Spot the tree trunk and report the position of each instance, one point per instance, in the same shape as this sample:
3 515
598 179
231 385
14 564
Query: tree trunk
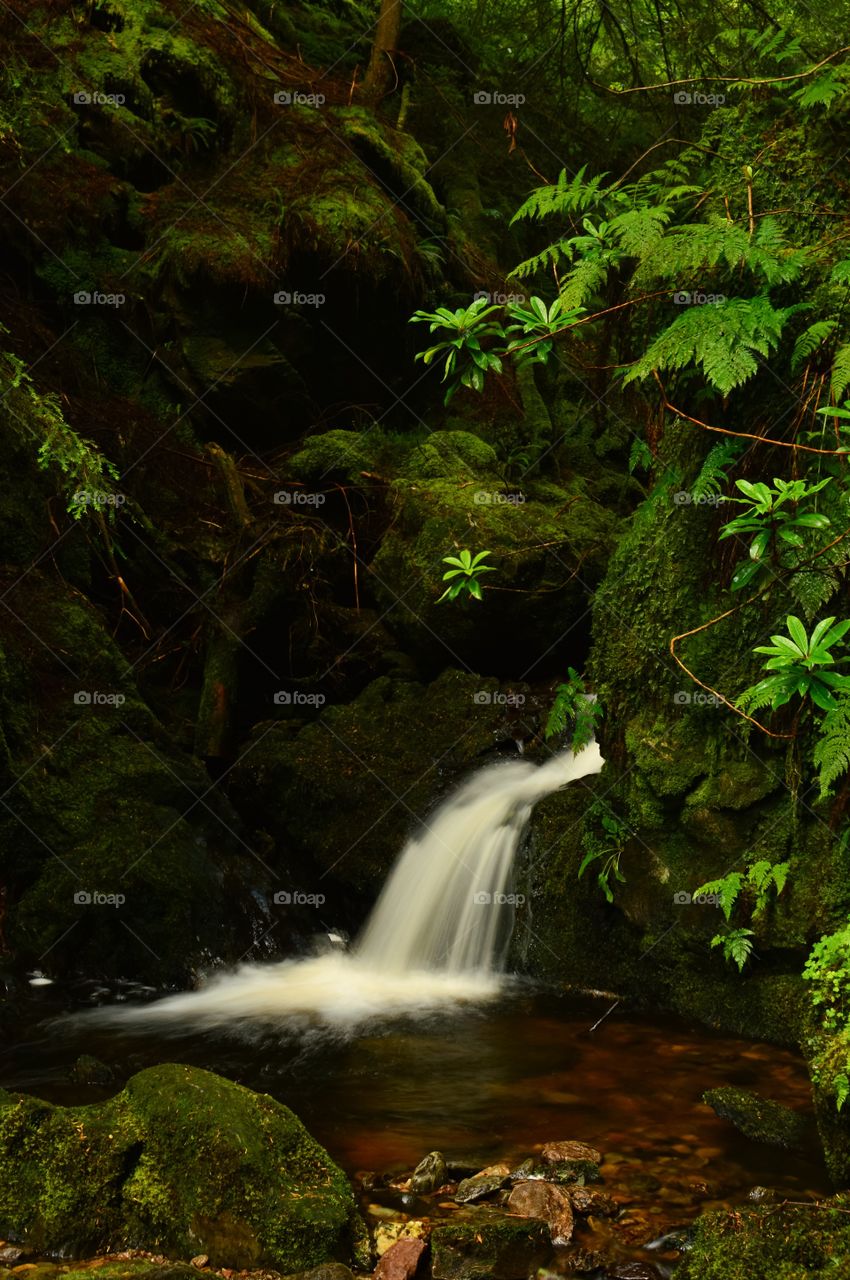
380 74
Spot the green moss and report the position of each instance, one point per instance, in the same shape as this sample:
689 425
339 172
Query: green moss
488 1250
181 1161
775 1243
760 1118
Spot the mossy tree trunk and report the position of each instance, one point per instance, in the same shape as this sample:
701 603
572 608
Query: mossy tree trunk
381 70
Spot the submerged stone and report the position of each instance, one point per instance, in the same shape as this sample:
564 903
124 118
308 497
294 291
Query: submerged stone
547 1201
429 1174
506 1249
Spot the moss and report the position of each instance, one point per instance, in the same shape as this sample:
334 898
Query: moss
488 1250
760 1118
181 1161
776 1243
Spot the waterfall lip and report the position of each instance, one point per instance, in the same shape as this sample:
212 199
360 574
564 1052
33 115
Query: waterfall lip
435 940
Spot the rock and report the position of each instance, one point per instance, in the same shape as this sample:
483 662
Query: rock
11 1254
180 1160
505 1249
327 1271
584 1200
569 1171
88 1070
785 1242
555 1152
429 1174
760 1118
632 1271
388 1234
401 1261
761 1195
547 1201
200 1260
482 1184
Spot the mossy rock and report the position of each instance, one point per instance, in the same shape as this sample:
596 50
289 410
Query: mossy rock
501 1249
183 1162
345 791
760 1118
776 1243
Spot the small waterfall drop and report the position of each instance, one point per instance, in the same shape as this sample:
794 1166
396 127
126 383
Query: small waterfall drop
437 935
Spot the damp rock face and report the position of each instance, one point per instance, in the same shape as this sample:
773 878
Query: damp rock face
182 1162
760 1118
509 1249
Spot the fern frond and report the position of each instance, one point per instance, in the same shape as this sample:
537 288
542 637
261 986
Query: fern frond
832 749
840 377
713 470
812 589
562 197
809 341
585 279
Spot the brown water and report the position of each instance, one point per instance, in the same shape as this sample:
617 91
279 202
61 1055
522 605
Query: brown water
489 1084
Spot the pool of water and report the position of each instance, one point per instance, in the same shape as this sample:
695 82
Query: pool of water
482 1084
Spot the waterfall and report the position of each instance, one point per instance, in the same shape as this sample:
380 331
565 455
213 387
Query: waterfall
438 933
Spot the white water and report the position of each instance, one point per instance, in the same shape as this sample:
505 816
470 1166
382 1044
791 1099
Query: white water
437 934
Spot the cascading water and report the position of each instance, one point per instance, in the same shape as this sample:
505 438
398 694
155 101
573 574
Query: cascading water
437 934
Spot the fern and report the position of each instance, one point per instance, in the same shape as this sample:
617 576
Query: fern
728 890
640 456
736 944
840 377
820 92
639 230
713 471
809 341
723 340
832 749
840 273
812 589
584 280
574 196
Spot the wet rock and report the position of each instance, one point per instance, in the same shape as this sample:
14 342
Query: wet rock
527 1170
632 1271
327 1271
555 1152
180 1161
679 1241
584 1200
200 1261
506 1249
789 1242
429 1174
482 1184
401 1261
761 1195
88 1070
11 1254
760 1118
388 1234
578 1171
547 1201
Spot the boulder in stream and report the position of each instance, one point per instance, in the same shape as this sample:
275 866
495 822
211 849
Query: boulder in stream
547 1201
482 1184
181 1162
504 1249
760 1118
430 1173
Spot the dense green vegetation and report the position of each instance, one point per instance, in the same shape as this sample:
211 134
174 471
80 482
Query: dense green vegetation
303 305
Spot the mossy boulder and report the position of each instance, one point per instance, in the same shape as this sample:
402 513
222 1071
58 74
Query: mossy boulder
779 1242
344 792
760 1118
182 1162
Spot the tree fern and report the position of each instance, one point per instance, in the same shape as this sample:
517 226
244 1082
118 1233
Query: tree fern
562 197
809 341
840 378
723 340
820 92
812 589
713 471
585 279
832 749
